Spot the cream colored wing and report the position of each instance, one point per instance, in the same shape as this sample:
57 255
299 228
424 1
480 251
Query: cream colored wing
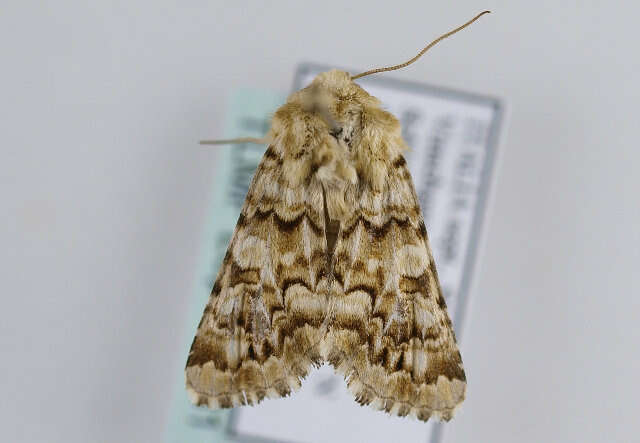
260 331
389 331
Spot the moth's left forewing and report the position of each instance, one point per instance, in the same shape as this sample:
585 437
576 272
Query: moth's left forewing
391 335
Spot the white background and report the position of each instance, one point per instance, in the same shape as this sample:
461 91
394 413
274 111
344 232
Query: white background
104 193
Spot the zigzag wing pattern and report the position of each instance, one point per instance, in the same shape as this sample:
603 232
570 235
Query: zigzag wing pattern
260 331
390 334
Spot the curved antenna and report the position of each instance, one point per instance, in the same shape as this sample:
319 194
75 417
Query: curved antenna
426 48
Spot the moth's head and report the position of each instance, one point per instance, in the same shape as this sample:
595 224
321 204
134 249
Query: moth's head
339 86
334 127
342 104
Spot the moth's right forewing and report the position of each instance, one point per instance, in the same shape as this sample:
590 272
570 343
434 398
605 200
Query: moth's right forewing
391 335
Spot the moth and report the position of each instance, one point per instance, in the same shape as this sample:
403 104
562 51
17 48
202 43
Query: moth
330 263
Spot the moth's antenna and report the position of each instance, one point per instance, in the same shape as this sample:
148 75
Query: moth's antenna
426 48
259 141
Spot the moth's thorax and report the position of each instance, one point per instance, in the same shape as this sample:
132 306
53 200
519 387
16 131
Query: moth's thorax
333 130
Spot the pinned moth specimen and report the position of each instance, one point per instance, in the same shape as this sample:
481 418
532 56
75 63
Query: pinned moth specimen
330 262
